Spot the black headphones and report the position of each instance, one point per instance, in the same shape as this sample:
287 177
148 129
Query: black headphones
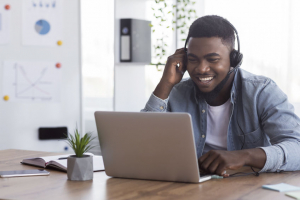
236 58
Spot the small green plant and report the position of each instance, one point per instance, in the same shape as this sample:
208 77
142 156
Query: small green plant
78 144
169 15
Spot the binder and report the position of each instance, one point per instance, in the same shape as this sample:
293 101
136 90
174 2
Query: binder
135 41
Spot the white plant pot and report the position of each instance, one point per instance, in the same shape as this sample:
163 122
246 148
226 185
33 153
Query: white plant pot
80 168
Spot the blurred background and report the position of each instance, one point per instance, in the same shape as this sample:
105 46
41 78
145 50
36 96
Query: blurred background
269 36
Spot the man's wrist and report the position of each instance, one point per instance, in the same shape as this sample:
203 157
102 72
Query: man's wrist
254 157
163 89
247 157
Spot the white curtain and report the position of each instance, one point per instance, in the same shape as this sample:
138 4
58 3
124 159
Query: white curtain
269 36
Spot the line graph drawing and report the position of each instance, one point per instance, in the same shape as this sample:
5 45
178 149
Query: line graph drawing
32 88
31 81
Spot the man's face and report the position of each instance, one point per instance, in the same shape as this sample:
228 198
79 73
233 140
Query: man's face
208 62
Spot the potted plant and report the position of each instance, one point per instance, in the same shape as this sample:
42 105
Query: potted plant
80 166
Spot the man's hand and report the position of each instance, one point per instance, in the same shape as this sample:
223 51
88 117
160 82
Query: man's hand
218 161
172 75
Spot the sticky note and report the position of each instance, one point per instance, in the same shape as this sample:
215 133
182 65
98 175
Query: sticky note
281 187
295 195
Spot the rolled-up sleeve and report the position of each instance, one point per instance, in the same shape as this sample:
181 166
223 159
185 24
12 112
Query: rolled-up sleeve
156 104
280 123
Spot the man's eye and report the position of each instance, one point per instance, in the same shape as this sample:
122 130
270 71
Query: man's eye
213 60
191 60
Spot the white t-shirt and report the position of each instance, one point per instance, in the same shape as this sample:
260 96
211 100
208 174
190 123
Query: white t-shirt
217 126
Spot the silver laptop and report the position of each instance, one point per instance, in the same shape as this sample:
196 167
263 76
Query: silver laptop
153 146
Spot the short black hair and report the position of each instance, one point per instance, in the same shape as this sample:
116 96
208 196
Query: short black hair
213 26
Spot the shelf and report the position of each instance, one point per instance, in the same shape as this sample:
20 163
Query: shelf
130 64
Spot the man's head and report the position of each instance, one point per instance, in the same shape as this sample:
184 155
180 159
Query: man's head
210 41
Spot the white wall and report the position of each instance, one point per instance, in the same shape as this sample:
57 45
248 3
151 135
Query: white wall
129 77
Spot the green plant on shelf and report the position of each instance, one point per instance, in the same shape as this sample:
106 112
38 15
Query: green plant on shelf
182 14
80 145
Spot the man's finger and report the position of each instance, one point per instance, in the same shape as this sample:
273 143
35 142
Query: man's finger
214 165
221 169
203 157
205 164
181 67
180 49
179 55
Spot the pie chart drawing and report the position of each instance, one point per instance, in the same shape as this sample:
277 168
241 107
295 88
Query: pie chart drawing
42 27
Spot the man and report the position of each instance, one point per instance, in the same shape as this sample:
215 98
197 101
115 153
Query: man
238 118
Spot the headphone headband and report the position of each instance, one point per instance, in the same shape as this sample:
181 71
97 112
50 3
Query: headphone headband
234 30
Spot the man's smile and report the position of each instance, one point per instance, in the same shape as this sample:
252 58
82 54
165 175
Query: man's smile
205 81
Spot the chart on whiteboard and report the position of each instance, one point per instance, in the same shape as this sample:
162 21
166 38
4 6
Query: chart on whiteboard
42 22
31 81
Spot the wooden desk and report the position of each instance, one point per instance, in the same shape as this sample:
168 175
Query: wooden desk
57 186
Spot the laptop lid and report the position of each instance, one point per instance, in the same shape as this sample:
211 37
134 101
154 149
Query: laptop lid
155 146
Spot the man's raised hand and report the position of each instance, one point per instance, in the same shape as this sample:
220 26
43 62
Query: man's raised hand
172 75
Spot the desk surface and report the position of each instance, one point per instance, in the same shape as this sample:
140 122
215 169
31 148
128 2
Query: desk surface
57 186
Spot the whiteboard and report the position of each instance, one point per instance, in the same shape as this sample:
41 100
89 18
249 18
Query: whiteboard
20 120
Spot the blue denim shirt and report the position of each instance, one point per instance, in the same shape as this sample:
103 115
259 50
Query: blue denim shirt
261 117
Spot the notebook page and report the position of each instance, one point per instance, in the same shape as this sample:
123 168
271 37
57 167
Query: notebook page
49 158
62 164
41 161
97 163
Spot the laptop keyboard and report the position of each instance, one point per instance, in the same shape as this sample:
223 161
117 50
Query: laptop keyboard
201 175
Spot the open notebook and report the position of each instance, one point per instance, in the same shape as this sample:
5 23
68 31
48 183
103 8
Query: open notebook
54 162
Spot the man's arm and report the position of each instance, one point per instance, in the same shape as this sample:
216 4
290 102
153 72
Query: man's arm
280 123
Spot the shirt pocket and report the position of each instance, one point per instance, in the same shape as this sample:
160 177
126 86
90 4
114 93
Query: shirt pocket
252 139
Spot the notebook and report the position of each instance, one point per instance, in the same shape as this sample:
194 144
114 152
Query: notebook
60 162
281 187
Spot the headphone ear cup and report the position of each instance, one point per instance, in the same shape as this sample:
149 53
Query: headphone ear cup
235 58
239 60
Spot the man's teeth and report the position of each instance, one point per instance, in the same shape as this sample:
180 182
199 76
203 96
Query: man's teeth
206 79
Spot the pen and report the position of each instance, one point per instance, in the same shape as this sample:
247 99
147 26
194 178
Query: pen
63 158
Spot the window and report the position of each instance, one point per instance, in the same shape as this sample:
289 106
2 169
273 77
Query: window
97 28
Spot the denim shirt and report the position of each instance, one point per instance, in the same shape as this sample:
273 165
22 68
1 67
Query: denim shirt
261 117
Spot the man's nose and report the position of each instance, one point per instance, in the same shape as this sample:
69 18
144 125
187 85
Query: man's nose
203 67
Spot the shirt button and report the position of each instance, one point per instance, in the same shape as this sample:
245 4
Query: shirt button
203 136
161 107
203 111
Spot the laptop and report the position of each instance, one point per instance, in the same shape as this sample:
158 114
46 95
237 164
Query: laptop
152 146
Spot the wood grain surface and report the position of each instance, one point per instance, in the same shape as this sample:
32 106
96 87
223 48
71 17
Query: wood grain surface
56 185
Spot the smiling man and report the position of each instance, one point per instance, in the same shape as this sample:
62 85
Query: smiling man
238 118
